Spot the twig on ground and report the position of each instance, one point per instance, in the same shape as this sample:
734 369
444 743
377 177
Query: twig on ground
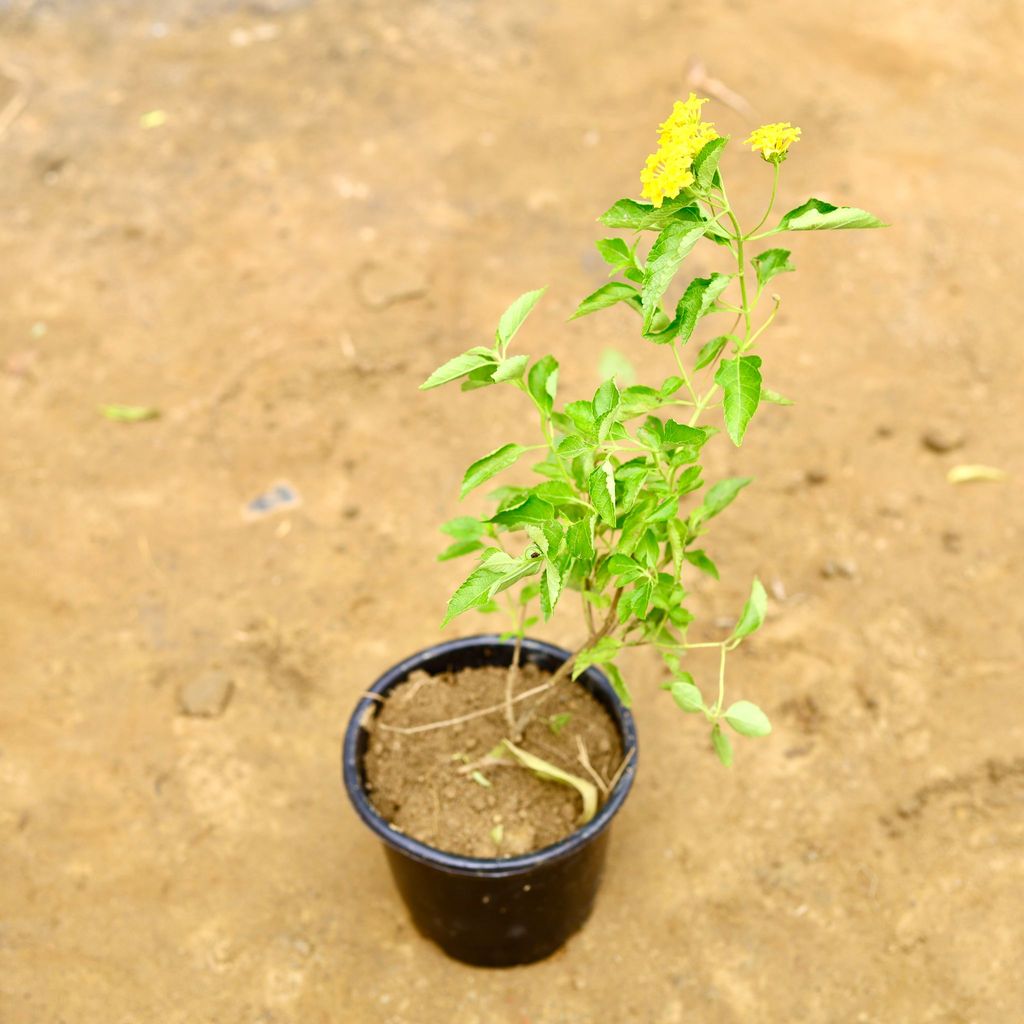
584 759
621 769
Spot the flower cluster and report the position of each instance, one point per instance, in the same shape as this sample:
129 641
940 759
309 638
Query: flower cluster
680 139
772 140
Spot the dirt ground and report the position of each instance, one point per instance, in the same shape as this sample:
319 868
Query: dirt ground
339 197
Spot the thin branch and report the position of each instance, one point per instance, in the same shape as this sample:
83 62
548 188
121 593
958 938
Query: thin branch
584 759
513 670
621 769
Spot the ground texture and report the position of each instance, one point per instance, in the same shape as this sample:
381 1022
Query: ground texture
270 221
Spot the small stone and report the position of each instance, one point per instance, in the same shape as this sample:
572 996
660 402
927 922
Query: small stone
942 438
839 567
449 792
816 476
383 286
207 695
952 541
777 589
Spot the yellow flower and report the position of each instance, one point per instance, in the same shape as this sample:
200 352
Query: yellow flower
772 140
680 139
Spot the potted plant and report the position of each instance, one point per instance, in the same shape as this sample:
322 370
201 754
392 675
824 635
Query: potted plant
491 767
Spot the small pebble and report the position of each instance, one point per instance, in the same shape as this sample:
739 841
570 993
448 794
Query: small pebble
943 438
816 476
777 589
839 567
449 792
952 541
207 695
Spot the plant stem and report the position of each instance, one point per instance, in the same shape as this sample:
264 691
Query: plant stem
513 669
607 627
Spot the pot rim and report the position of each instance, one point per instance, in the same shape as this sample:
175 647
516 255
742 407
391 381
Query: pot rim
494 867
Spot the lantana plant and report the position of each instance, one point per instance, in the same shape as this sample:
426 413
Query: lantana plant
621 513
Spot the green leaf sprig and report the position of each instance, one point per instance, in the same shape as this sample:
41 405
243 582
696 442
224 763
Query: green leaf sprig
621 512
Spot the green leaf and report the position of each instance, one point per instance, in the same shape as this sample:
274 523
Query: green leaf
701 561
753 611
607 295
491 464
614 364
533 510
677 542
637 216
723 748
697 300
774 397
606 405
550 589
601 487
474 591
580 540
711 350
641 598
482 377
619 684
705 163
600 654
573 445
740 379
542 382
687 695
637 400
616 253
474 359
748 719
817 215
510 369
719 497
550 773
770 263
458 549
673 245
556 723
464 528
624 568
130 413
513 317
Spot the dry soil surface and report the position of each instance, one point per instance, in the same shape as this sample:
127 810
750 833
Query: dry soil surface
270 220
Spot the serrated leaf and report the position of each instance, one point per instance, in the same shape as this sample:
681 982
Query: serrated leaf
748 719
574 445
474 591
550 773
697 300
771 263
608 295
637 400
641 598
673 245
676 533
719 497
482 377
817 215
711 350
550 590
638 216
491 464
722 745
740 380
601 486
705 163
460 366
753 613
513 317
580 540
556 723
532 510
687 695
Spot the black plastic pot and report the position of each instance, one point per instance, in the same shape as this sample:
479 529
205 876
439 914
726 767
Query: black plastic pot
493 912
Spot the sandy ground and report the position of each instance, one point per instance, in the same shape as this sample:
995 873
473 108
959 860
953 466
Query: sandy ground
227 267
